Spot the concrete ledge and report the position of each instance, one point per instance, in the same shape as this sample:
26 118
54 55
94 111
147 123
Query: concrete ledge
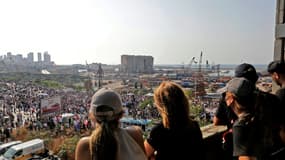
212 136
211 130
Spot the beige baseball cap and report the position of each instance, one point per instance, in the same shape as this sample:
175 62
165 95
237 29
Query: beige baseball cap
106 97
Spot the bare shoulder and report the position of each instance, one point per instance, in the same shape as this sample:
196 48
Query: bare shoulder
84 141
134 131
82 149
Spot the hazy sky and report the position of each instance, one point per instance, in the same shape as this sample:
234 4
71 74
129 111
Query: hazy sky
172 31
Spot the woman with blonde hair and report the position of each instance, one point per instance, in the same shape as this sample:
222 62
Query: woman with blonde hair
177 136
108 141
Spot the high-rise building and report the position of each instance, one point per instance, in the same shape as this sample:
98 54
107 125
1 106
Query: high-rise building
39 57
9 54
136 64
46 57
30 57
18 59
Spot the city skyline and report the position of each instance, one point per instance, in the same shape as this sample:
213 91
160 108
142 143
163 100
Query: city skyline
73 32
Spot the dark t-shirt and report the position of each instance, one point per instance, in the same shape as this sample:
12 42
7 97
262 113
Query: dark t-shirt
268 107
268 111
247 137
281 95
178 143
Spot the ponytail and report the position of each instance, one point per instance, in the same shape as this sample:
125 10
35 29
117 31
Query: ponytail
103 144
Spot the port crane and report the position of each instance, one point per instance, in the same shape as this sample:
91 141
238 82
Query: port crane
191 62
198 78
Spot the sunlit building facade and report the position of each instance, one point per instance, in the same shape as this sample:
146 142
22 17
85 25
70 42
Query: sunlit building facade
136 64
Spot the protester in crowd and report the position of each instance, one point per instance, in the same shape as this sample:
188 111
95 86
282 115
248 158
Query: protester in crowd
177 136
248 134
108 140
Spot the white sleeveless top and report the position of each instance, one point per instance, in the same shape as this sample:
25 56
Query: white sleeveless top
128 148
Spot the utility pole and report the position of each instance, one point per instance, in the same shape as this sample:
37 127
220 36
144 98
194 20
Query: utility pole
100 74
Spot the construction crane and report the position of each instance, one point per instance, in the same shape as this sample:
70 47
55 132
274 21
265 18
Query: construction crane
207 65
199 87
200 62
191 62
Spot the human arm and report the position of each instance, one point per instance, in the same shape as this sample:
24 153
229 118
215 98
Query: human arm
220 116
149 150
246 158
217 121
154 141
82 151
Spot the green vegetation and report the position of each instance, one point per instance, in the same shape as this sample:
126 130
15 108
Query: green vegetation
68 147
146 102
195 112
79 88
188 93
50 84
63 144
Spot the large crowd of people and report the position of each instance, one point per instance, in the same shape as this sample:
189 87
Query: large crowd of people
20 105
252 116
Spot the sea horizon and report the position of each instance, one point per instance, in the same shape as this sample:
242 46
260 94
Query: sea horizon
222 66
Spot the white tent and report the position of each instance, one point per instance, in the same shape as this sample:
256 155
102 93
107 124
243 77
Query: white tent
149 94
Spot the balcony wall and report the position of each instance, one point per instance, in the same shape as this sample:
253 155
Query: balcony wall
213 139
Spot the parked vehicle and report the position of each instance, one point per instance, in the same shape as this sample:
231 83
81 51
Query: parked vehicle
50 157
24 150
4 147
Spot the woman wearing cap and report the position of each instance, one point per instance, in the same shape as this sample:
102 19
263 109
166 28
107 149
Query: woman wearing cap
108 141
177 136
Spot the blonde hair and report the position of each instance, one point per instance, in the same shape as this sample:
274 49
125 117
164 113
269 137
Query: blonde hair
172 104
103 144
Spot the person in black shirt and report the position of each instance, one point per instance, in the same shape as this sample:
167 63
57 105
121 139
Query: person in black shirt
224 115
177 136
247 132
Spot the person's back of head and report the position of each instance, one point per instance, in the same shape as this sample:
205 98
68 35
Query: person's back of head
277 71
247 71
242 91
276 66
105 109
172 103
